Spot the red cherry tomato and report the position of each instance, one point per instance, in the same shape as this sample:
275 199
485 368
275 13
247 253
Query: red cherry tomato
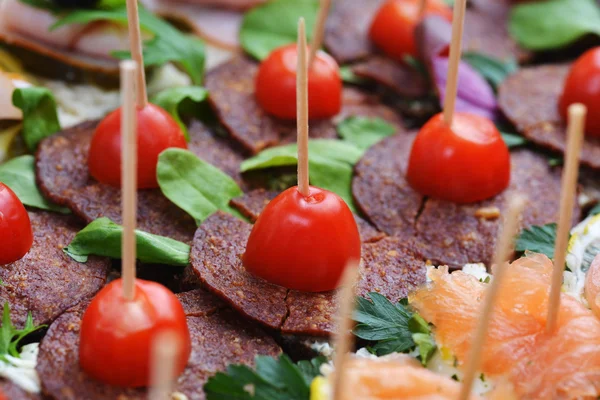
393 28
583 86
466 163
303 243
276 85
16 235
117 335
157 131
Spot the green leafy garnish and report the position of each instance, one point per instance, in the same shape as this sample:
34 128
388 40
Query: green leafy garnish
331 164
10 337
594 211
513 140
271 379
555 161
393 327
365 132
19 175
102 237
40 118
552 24
181 102
348 76
539 239
493 70
194 185
275 24
43 5
167 45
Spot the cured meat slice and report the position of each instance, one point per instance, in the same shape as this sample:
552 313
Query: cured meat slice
401 79
46 281
253 202
63 177
14 392
529 99
389 267
449 233
219 338
381 190
231 87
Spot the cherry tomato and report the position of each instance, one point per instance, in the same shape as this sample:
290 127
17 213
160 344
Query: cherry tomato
15 227
117 334
583 86
392 29
157 131
303 243
466 163
276 85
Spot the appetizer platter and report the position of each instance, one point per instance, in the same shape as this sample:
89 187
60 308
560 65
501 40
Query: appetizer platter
299 199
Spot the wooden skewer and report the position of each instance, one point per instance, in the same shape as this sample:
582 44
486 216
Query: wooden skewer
302 111
503 251
344 340
422 8
129 175
575 132
135 45
458 23
163 358
319 32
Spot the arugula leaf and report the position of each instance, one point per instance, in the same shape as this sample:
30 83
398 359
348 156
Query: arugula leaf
102 237
19 175
168 44
365 132
194 185
40 118
331 164
552 24
493 70
272 379
10 337
513 140
181 101
275 24
539 239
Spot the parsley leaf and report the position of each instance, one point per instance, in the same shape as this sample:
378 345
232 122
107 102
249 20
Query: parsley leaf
271 379
40 118
539 239
168 43
365 132
10 337
181 102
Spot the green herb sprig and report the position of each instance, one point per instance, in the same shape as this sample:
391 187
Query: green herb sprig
539 239
11 337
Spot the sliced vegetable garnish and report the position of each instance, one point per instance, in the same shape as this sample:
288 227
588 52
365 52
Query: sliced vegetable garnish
19 175
10 337
365 132
181 102
194 185
394 327
493 70
40 118
274 24
538 239
272 379
102 237
168 44
552 24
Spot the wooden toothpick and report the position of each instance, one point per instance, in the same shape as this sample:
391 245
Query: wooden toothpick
165 347
504 249
319 32
135 46
302 111
422 8
458 22
343 340
128 175
575 131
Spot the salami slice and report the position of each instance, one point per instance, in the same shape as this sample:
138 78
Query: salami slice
231 87
219 338
389 266
46 281
63 177
399 78
253 202
449 233
529 99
